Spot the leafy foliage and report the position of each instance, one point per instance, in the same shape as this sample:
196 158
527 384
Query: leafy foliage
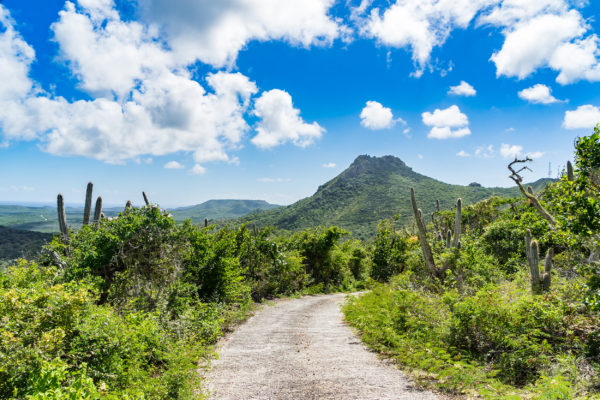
481 330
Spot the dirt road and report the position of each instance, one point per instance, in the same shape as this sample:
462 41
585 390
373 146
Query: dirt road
301 349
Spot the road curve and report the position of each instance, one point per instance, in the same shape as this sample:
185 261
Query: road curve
301 349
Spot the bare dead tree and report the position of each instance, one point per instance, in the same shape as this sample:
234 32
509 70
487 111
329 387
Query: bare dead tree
518 179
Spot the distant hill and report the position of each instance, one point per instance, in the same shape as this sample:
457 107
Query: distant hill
371 189
220 209
44 218
16 243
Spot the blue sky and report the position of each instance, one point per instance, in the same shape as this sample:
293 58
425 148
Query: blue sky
195 100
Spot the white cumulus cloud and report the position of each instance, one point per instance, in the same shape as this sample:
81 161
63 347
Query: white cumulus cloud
484 151
418 25
197 169
280 122
463 153
173 165
510 151
215 31
446 123
538 94
544 34
463 89
328 165
144 100
375 116
584 117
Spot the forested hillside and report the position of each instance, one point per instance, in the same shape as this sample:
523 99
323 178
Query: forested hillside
371 189
15 243
220 209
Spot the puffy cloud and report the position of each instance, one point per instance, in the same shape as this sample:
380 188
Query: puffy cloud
280 122
419 25
329 165
484 151
173 165
464 89
544 33
215 31
584 117
538 33
197 169
463 153
508 151
144 106
446 123
538 94
108 55
375 116
510 12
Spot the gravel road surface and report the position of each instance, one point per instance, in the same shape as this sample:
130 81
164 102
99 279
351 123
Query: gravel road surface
301 349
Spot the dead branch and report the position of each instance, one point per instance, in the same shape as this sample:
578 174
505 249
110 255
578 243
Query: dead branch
517 178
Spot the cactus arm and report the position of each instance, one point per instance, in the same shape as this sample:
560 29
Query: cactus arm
528 245
534 267
62 217
145 198
427 254
570 173
547 269
457 223
98 209
88 204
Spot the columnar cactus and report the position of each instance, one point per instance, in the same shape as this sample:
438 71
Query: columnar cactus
540 282
457 223
145 198
88 204
127 206
205 222
98 210
422 233
570 173
448 239
62 217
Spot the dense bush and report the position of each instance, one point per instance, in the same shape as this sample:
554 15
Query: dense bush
479 326
126 308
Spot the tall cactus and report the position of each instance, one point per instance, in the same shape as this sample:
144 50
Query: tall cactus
98 209
205 222
427 253
570 173
145 198
457 223
127 206
540 282
62 217
87 210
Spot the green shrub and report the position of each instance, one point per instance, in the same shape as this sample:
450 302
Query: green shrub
389 253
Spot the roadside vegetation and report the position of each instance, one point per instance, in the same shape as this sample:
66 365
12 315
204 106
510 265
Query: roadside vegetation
129 305
125 308
488 317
